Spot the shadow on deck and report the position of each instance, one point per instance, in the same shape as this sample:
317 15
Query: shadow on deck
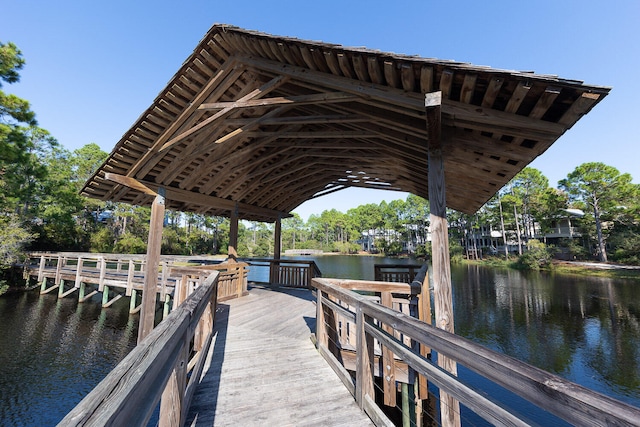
263 368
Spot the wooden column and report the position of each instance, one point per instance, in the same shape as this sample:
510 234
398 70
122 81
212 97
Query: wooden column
233 235
274 267
154 243
449 407
277 239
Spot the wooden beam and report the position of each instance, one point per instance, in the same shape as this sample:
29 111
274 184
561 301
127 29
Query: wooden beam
257 93
185 196
450 408
344 84
318 98
229 68
154 243
130 182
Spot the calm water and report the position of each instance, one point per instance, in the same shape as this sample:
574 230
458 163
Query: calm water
53 352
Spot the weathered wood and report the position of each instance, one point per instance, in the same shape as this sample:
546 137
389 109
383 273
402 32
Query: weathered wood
388 365
264 369
424 314
130 392
571 402
172 400
147 312
233 235
364 360
443 300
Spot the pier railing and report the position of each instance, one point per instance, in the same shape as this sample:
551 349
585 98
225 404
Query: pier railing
288 272
375 326
164 367
110 274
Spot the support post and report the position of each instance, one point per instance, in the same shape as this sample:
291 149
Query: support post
233 235
61 289
105 295
277 239
148 310
274 268
443 301
133 303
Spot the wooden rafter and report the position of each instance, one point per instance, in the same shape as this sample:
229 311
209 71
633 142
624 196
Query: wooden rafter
271 121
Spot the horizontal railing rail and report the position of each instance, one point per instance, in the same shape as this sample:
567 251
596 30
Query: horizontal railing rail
165 367
69 272
337 329
404 273
288 272
374 322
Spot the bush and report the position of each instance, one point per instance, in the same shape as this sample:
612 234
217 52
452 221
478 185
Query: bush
537 255
13 238
130 244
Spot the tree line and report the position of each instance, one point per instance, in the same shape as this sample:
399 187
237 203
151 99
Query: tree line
41 208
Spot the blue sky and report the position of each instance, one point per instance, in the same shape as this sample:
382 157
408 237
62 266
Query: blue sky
94 67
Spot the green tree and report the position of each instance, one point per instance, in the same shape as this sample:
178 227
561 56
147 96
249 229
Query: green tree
604 190
293 229
17 132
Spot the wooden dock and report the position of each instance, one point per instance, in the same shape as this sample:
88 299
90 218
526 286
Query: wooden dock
264 370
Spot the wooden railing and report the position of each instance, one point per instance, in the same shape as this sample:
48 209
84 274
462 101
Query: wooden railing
233 277
375 325
287 272
402 273
70 272
165 367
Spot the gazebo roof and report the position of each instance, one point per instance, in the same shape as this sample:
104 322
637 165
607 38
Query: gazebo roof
260 123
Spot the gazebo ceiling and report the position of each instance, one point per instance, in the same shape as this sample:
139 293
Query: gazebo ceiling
260 124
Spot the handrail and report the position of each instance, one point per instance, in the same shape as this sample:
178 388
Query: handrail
567 400
129 394
288 272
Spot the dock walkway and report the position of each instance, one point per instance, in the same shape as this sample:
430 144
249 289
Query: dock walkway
263 369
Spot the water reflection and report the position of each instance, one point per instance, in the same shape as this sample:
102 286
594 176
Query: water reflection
585 329
53 352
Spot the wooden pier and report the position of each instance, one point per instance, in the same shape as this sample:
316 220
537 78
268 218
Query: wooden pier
250 361
263 369
122 275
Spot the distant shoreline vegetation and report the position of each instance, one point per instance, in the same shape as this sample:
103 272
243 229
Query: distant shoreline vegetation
594 214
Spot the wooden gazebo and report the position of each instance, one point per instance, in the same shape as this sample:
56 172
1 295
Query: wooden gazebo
260 123
253 125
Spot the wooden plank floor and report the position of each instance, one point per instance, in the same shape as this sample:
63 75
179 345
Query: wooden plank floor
263 369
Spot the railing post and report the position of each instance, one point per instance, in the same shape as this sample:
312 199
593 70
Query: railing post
173 395
58 270
321 328
130 273
424 314
79 272
240 279
388 363
43 262
364 360
103 273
